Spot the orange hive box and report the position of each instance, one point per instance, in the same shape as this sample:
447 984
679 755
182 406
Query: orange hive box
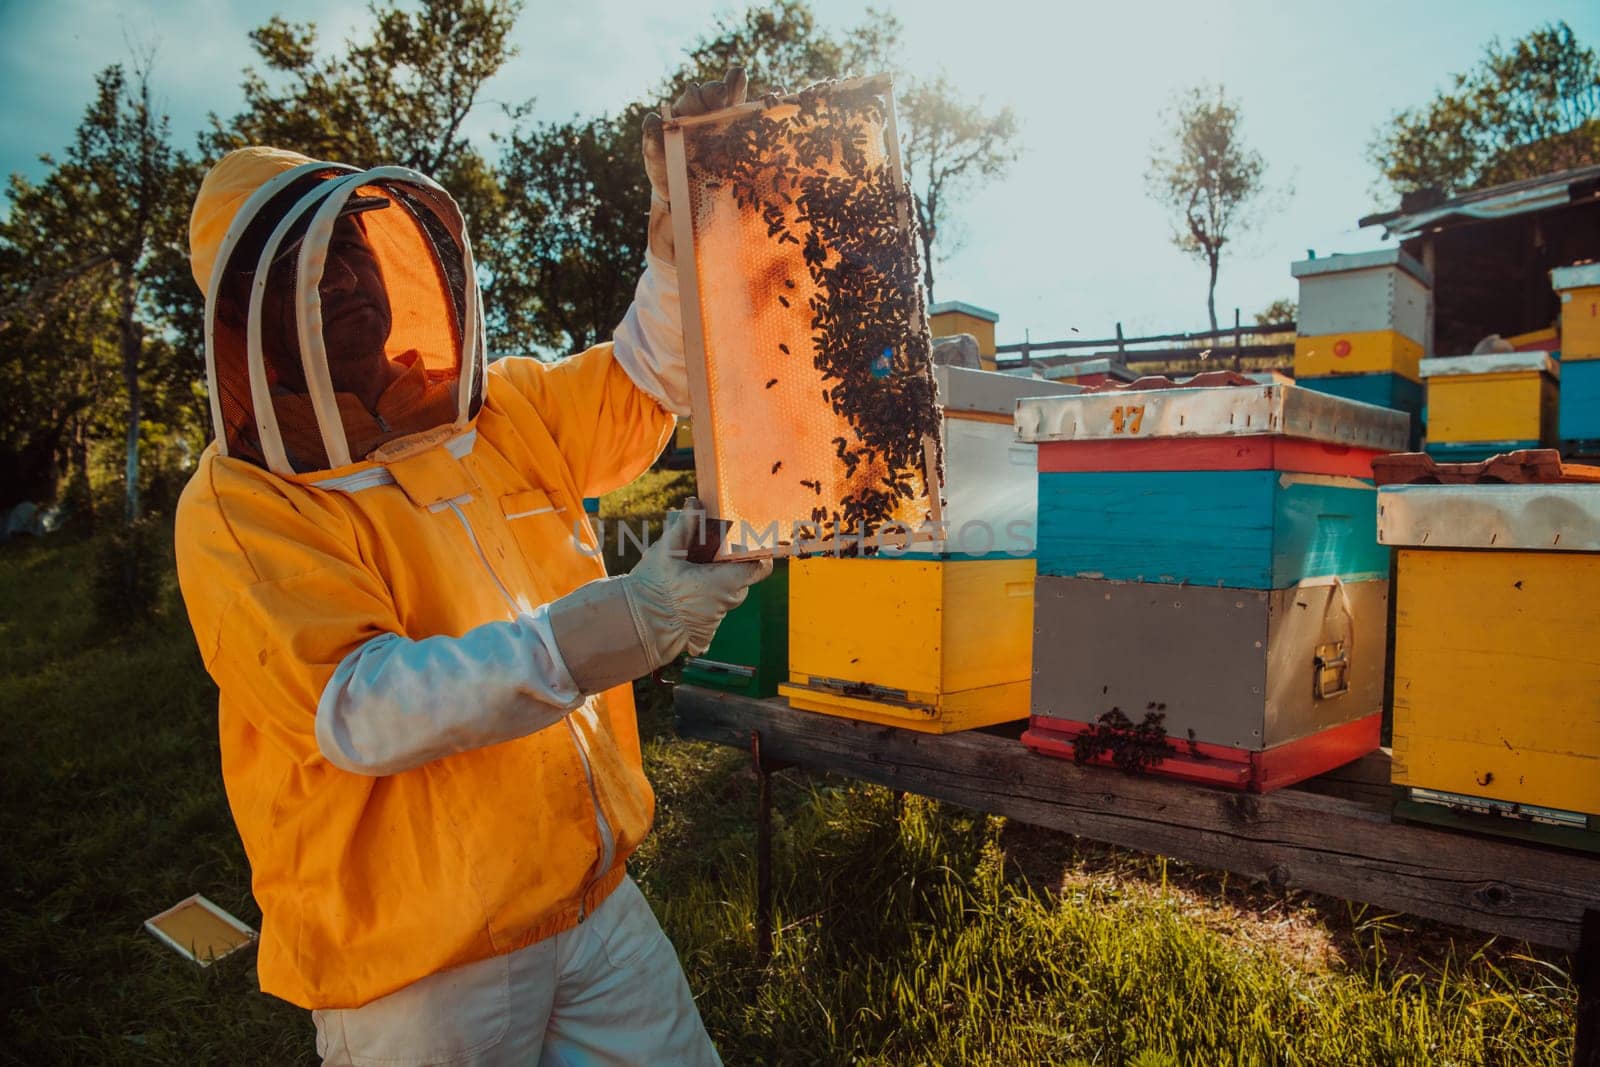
816 416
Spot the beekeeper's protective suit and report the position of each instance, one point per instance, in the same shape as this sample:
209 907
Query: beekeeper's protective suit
427 728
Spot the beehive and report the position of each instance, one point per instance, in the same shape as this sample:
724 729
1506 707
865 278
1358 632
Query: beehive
951 317
1482 405
964 603
750 652
1497 677
1208 559
1363 328
932 645
808 345
1361 314
683 439
1578 289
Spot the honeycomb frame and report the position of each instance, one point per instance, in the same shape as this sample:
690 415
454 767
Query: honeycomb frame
775 436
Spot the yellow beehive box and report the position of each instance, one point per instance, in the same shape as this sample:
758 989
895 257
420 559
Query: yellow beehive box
951 317
930 645
1578 289
1497 655
1365 352
1504 398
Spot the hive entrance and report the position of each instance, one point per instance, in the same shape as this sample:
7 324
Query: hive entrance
816 418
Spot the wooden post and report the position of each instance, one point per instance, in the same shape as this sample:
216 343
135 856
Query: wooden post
765 769
1586 972
1122 349
1238 342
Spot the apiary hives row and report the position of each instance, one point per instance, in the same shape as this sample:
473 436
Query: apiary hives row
1255 686
1364 327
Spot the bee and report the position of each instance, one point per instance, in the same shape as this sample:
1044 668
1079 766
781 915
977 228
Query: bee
771 382
784 349
783 300
776 467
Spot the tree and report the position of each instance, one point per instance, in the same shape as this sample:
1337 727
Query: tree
572 236
84 248
576 195
1280 310
947 145
947 142
1207 177
782 49
572 241
1526 109
399 97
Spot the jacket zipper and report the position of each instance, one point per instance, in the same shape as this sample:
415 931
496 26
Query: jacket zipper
608 841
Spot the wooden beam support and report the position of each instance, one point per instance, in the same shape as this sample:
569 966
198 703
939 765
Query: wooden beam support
1331 836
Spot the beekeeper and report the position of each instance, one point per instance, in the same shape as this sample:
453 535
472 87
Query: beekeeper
427 725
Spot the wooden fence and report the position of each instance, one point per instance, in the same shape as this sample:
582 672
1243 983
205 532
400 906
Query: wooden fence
1239 347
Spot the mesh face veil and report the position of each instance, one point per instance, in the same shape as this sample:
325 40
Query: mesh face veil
342 313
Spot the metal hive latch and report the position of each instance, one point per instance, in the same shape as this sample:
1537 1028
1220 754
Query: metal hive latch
1331 675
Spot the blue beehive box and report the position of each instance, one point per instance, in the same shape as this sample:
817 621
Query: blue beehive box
1248 487
1580 407
1254 529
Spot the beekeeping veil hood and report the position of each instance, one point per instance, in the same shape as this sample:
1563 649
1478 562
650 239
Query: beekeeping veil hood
271 240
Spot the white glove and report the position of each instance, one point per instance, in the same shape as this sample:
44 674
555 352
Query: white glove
696 100
614 630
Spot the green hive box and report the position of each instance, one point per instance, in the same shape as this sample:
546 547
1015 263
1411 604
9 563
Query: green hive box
750 653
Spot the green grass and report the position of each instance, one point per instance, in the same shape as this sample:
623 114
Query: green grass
111 809
911 933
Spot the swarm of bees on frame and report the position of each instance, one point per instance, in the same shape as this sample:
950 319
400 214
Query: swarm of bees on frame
810 177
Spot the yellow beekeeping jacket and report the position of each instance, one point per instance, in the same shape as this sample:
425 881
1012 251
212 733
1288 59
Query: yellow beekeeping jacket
369 883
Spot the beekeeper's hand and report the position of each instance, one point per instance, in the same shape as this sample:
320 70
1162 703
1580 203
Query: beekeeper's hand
696 100
617 629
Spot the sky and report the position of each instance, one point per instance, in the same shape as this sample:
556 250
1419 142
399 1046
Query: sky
1067 240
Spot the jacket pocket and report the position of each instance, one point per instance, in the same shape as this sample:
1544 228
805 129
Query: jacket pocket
530 504
548 529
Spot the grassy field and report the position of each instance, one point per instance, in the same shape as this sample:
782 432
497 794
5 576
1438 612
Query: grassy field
912 933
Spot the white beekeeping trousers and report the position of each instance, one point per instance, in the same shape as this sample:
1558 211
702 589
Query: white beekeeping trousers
609 991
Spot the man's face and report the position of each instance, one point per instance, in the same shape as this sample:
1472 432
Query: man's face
356 317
